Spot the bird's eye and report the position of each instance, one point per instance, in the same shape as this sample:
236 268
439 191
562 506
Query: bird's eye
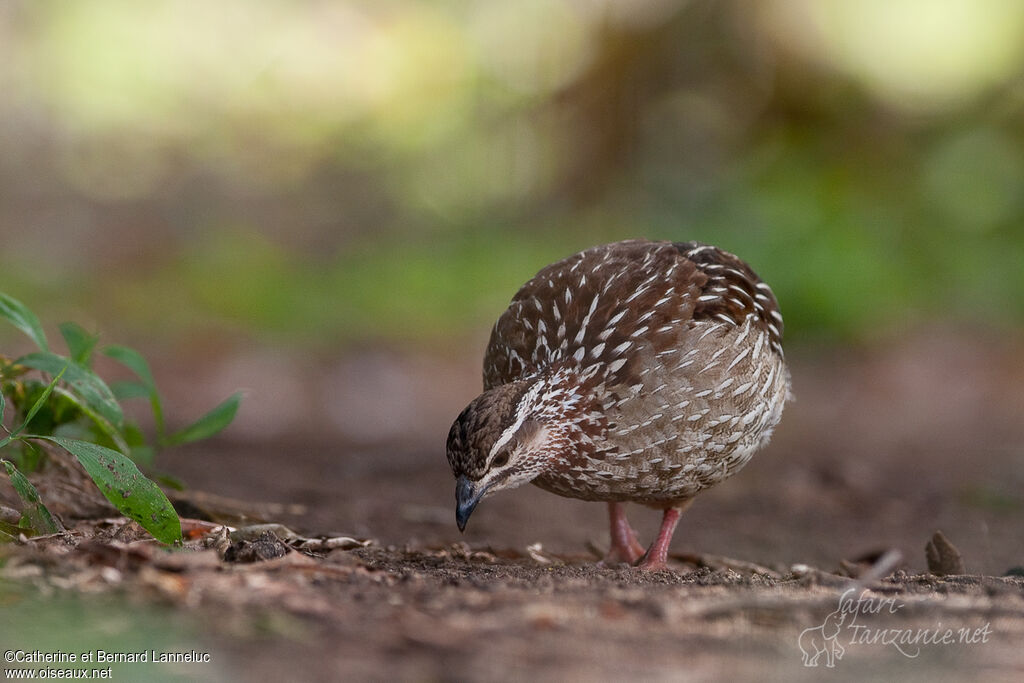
500 460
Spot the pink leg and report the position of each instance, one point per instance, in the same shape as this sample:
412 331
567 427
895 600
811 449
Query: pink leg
625 547
657 554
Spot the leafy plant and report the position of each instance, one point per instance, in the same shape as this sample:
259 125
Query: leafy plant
70 406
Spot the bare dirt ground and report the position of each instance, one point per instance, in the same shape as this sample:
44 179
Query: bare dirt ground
881 449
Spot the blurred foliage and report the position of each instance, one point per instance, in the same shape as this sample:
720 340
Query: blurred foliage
72 407
337 172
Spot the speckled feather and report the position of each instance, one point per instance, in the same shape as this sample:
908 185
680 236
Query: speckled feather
661 363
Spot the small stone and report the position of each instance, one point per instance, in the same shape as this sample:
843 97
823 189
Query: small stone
265 547
943 557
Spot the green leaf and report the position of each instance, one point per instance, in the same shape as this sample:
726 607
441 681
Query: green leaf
133 435
35 515
126 487
112 432
30 455
3 406
134 361
170 481
84 382
80 343
129 388
40 402
209 424
24 319
143 455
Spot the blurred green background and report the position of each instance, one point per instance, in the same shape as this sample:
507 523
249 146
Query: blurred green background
323 174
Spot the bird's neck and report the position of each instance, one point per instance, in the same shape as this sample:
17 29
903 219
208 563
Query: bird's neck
570 413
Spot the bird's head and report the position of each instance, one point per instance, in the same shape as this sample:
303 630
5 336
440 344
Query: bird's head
501 440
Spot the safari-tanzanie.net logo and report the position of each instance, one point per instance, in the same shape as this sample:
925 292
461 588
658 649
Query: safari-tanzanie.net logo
860 619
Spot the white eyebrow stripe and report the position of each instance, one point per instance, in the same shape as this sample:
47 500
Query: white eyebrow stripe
521 411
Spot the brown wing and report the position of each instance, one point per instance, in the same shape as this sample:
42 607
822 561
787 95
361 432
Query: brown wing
733 291
582 309
603 305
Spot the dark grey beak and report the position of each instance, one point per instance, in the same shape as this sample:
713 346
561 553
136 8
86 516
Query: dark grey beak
466 498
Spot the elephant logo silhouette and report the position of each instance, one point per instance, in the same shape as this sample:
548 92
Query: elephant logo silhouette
823 640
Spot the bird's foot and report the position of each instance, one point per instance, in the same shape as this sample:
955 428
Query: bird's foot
649 563
656 556
625 547
628 553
